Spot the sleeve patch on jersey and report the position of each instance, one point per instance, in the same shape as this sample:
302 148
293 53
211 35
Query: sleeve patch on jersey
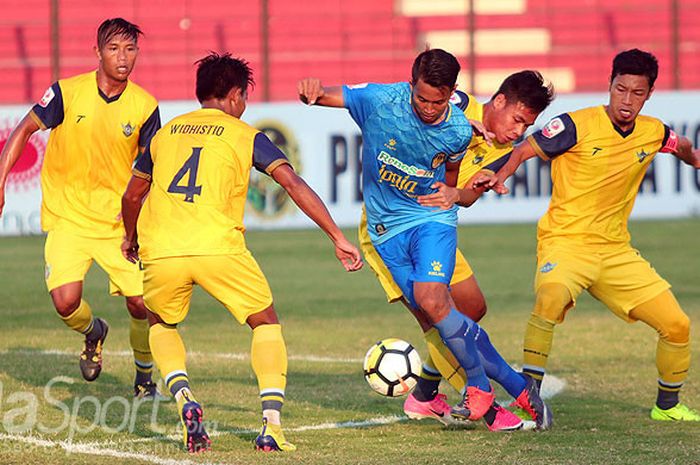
46 99
671 145
554 127
456 99
358 86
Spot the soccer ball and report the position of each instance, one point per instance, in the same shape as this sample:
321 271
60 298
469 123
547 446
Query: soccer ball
392 367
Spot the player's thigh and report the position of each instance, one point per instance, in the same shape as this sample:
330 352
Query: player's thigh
125 278
626 281
66 259
167 287
557 265
372 258
395 254
236 281
433 249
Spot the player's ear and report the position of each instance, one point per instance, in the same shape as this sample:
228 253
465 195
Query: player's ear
499 101
98 53
650 92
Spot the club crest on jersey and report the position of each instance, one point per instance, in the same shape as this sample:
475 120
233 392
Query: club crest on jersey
128 129
553 128
547 267
46 98
641 156
380 228
438 159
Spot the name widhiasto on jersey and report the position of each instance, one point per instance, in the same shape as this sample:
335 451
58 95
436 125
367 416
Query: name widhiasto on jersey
401 175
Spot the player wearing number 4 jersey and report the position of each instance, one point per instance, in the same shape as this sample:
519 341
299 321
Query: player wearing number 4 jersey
599 157
190 231
99 122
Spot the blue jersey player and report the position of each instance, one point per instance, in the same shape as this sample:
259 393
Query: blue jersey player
414 140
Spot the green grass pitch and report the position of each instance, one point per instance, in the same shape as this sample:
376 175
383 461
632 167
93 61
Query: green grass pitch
329 319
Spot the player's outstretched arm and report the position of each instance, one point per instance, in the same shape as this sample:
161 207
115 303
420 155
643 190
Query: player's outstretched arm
312 92
312 205
132 200
13 149
521 153
686 153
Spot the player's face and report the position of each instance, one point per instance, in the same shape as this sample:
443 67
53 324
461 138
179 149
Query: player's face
509 120
628 93
430 103
118 57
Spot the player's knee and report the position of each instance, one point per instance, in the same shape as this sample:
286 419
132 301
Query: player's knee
267 316
65 304
136 307
434 305
551 302
678 330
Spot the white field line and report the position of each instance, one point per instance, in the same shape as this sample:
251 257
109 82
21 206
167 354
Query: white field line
551 386
219 355
94 449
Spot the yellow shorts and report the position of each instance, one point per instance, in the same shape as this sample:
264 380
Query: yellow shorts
617 276
68 258
234 280
461 273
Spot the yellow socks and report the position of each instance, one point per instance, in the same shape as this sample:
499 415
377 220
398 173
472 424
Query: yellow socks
268 355
143 359
81 319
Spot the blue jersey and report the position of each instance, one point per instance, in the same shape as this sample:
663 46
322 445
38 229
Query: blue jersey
402 156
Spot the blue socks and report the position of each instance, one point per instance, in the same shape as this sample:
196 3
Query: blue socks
496 368
456 332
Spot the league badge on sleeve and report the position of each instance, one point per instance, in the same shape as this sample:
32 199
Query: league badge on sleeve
46 99
554 127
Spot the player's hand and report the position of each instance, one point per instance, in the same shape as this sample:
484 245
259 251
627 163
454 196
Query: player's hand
310 90
348 255
487 182
130 250
479 128
444 198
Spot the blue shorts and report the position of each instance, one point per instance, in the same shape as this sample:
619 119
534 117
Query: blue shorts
425 253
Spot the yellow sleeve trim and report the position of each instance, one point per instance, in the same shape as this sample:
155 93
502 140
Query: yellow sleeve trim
533 143
37 120
141 175
276 164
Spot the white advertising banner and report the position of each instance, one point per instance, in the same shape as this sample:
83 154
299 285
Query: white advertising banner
325 145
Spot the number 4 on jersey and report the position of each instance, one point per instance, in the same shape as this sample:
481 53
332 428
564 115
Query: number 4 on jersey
190 189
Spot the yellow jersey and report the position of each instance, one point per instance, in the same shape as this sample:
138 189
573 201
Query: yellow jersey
596 172
480 155
93 143
199 167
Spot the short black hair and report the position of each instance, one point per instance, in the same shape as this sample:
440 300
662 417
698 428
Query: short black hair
435 67
116 27
529 88
218 74
636 62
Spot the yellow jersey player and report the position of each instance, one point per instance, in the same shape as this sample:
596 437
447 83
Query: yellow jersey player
514 107
190 231
99 122
599 157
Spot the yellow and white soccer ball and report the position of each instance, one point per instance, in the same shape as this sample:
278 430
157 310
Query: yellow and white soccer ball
392 367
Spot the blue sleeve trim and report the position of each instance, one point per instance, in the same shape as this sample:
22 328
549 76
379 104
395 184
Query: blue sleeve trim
553 140
266 154
144 164
149 128
498 164
51 114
